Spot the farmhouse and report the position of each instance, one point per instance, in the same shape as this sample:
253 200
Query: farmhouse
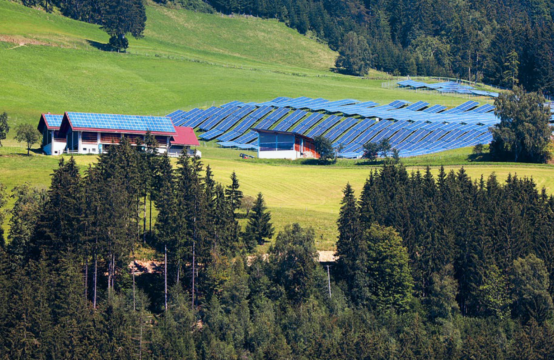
88 133
52 142
273 144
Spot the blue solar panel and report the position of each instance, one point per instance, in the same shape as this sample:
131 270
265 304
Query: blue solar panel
308 123
121 122
54 120
290 120
324 126
341 128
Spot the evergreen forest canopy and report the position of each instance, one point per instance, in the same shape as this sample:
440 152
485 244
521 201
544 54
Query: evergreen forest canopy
501 43
428 268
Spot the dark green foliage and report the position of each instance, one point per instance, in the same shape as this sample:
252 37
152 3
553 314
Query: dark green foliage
259 228
531 299
371 151
324 147
121 17
294 257
3 202
25 214
354 55
523 133
27 134
466 272
4 127
233 193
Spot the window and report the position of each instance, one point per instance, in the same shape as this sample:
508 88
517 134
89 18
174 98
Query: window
109 138
89 137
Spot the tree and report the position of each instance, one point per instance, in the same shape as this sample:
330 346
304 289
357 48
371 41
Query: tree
388 273
233 193
293 258
4 127
384 147
29 202
396 155
3 202
324 148
122 17
28 134
478 149
259 227
510 75
530 284
354 55
247 203
523 133
371 150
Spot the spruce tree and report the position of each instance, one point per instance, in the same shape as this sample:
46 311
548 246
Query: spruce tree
349 245
233 193
259 228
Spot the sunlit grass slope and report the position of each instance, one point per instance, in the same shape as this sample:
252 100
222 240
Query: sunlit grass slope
186 59
309 195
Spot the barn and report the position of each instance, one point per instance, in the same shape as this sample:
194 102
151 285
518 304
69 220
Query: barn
52 142
274 144
89 133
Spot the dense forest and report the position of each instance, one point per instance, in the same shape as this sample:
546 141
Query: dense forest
499 42
429 267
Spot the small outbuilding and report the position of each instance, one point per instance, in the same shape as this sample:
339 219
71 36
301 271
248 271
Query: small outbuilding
183 141
53 143
274 144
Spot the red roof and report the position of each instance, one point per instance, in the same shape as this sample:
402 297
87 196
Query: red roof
185 136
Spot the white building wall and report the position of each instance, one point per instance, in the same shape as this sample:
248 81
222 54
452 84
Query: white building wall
281 154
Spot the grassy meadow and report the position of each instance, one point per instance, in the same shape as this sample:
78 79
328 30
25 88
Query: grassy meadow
53 64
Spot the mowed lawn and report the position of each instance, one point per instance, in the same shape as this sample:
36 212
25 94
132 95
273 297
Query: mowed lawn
308 194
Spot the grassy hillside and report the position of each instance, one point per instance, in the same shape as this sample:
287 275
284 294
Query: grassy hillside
186 59
51 63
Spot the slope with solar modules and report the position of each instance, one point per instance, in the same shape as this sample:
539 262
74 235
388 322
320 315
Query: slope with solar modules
412 128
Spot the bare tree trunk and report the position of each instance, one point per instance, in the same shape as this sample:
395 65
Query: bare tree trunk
165 276
150 226
134 298
329 280
144 220
86 278
193 270
178 271
95 279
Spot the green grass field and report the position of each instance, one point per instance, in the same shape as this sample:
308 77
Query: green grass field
186 59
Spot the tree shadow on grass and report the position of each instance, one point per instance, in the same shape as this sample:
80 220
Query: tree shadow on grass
100 46
481 157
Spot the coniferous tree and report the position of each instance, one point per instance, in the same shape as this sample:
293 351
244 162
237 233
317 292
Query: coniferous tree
25 214
259 228
349 244
233 193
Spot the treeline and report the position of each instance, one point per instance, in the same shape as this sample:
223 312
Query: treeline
498 42
428 268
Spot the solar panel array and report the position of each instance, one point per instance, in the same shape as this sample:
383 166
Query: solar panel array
413 129
228 122
121 122
54 120
446 87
